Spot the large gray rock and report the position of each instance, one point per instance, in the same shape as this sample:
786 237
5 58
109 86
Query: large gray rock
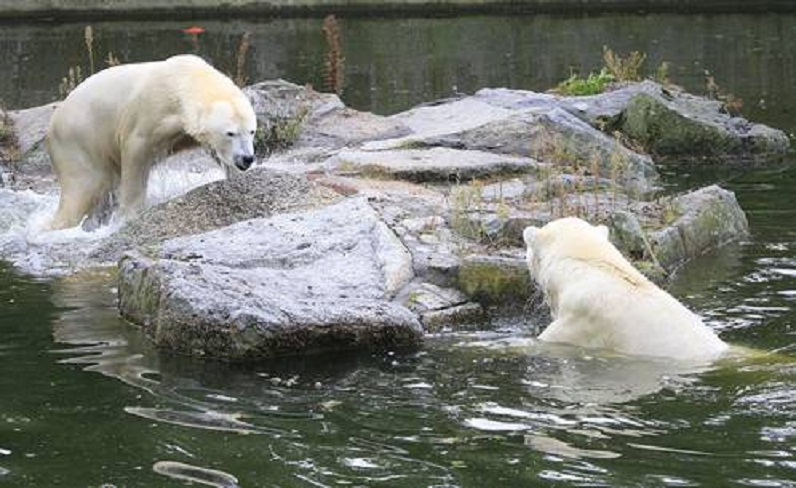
557 137
677 126
32 169
496 280
705 220
291 115
665 121
294 283
605 109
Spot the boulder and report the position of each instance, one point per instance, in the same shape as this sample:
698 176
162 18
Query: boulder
560 139
291 115
32 168
294 283
679 127
705 219
496 280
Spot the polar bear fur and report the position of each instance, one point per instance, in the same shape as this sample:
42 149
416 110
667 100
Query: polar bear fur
599 300
110 130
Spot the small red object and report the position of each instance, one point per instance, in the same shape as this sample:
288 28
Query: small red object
194 30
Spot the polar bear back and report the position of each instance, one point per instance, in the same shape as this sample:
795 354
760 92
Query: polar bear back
112 103
598 299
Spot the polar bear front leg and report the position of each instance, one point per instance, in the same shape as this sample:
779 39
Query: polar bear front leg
136 162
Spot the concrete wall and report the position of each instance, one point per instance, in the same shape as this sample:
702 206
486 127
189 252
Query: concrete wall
83 9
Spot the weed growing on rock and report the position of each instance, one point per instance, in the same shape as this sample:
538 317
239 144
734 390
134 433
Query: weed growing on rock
624 69
730 103
615 69
593 84
662 74
280 132
574 183
9 146
465 200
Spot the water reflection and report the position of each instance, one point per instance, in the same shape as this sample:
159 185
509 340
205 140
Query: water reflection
195 474
392 64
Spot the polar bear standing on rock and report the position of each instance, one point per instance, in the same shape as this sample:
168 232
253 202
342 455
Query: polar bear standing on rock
598 299
112 128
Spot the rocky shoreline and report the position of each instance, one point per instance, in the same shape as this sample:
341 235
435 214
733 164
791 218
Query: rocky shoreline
369 231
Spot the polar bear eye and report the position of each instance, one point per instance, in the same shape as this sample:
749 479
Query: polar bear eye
230 134
251 132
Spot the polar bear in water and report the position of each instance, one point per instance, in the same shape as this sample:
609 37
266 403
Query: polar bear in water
111 129
598 299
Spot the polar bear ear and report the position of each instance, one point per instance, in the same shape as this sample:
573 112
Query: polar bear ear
529 235
603 231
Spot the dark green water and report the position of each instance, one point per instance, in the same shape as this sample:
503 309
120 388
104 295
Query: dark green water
85 402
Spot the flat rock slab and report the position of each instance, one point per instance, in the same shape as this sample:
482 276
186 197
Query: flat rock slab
294 283
429 165
448 116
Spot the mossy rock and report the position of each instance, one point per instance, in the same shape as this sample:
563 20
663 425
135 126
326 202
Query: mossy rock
495 280
664 132
711 217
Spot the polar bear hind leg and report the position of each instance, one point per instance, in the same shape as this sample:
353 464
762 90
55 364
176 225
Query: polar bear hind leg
83 186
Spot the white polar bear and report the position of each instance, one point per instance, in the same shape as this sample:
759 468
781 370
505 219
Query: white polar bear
598 299
111 129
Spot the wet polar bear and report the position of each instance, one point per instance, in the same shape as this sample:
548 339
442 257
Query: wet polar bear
110 130
598 299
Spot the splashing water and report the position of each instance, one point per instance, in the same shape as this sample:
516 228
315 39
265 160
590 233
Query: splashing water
29 245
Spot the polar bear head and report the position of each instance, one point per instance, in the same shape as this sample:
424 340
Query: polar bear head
569 237
228 129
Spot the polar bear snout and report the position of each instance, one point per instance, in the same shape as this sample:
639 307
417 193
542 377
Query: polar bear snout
242 162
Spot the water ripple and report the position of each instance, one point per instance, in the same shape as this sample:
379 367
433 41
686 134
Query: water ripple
195 474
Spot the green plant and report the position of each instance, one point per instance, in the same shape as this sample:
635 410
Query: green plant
9 145
662 73
6 128
280 132
465 200
729 103
624 69
618 165
593 84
